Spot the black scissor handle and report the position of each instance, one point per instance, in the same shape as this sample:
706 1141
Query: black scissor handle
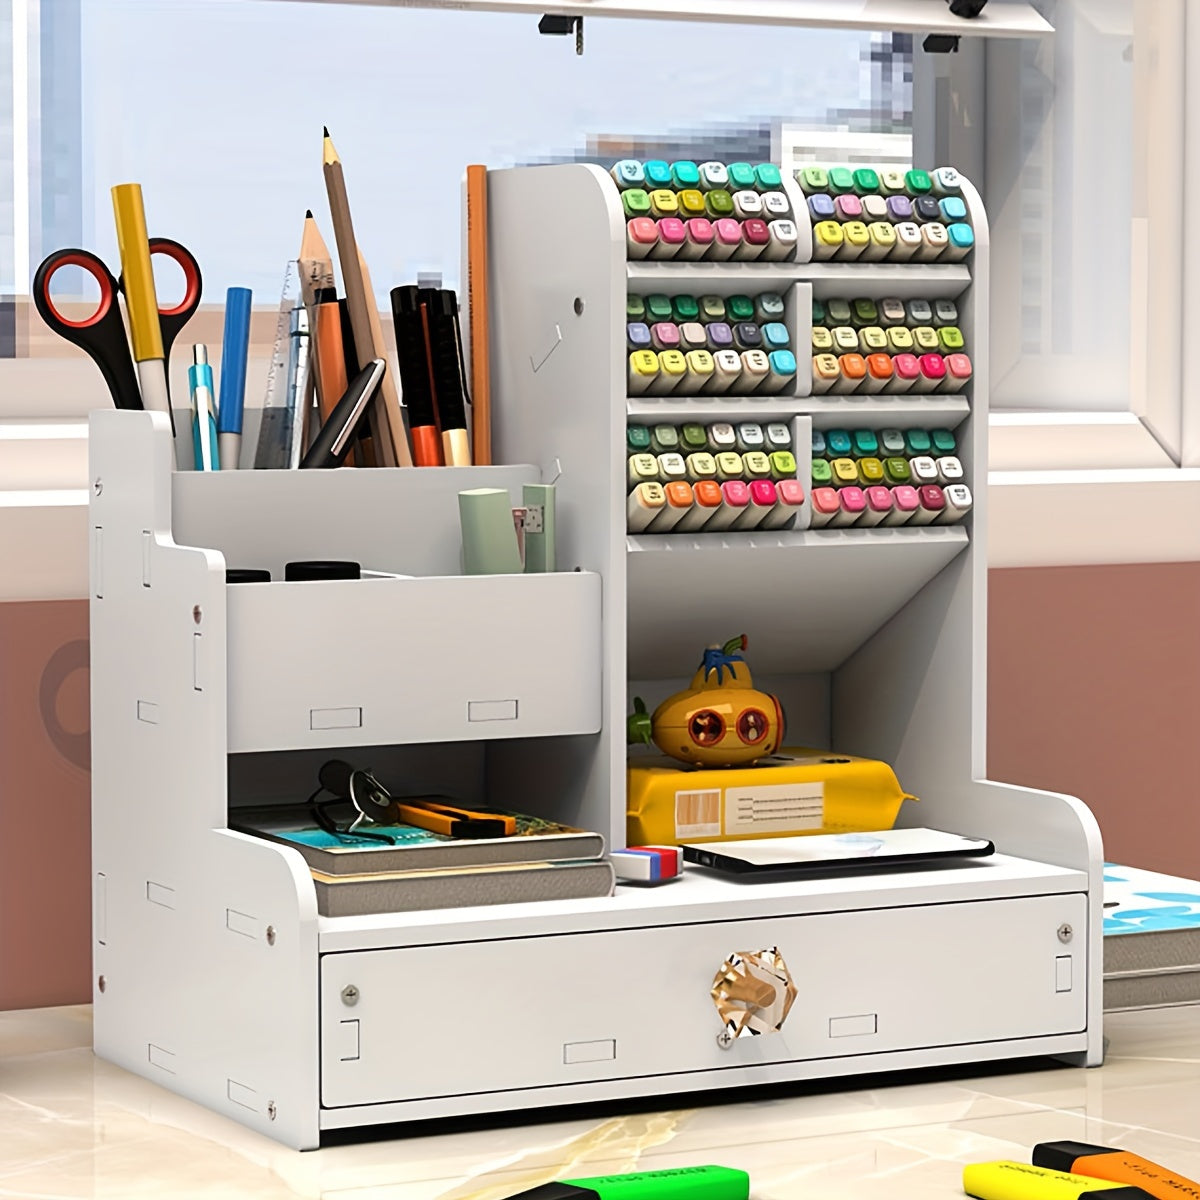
172 320
102 334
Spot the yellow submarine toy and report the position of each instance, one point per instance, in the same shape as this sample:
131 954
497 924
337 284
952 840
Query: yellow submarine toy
722 720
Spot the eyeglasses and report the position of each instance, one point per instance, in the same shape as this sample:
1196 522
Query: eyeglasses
370 799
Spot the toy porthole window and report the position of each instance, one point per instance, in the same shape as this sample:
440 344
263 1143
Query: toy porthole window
752 726
706 728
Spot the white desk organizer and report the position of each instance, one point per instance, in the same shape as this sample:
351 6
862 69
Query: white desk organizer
220 980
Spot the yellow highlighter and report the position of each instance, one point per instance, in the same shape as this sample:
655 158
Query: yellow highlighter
141 304
1020 1181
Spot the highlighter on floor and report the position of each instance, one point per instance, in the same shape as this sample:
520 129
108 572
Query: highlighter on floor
1020 1181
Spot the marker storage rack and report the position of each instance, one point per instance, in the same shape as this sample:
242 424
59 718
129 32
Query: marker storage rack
215 975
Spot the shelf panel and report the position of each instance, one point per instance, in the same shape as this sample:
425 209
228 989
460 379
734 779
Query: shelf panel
713 278
807 599
853 281
827 412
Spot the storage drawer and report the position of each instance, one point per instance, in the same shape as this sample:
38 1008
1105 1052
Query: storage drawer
534 1012
437 659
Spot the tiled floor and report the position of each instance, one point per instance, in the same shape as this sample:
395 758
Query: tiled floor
71 1126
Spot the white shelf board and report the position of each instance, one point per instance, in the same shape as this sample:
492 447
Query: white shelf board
807 599
827 412
713 278
701 895
853 281
1002 18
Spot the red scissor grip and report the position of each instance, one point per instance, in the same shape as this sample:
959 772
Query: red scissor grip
89 263
191 275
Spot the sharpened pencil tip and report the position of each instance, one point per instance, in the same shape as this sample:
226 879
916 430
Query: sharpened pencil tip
308 214
326 130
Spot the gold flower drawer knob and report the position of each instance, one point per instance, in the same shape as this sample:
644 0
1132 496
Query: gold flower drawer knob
754 993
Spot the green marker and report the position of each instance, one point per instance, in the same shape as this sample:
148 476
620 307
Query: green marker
944 442
822 473
635 308
658 308
685 174
636 202
739 308
718 203
818 316
891 442
896 472
813 180
864 313
838 312
678 1183
685 308
918 183
865 443
768 307
783 465
742 177
693 438
712 308
841 180
637 439
918 442
866 181
951 339
767 177
664 439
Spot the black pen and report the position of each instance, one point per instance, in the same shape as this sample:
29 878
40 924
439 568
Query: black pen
331 444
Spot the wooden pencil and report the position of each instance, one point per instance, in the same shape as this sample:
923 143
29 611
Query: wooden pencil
477 299
387 424
316 263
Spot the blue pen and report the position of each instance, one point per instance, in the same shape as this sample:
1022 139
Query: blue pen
234 351
204 423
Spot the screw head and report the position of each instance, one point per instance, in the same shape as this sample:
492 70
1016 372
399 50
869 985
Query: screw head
724 1039
350 995
1065 933
578 306
98 486
270 935
271 1109
101 983
197 614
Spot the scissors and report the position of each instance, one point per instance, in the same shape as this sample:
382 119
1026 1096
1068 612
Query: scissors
102 335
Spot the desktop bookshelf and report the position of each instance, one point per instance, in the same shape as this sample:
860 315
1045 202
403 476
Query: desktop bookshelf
220 979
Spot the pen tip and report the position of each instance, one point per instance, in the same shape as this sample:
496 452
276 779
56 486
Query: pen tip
326 128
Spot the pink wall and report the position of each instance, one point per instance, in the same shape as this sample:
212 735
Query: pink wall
1094 690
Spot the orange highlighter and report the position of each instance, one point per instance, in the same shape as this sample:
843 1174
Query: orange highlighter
1117 1166
332 382
452 821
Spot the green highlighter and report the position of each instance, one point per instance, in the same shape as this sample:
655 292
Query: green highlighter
679 1183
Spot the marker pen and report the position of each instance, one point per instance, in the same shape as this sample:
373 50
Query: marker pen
879 506
918 442
714 175
721 437
684 308
925 208
841 180
641 236
664 439
706 500
879 373
822 340
643 468
761 505
946 182
924 470
748 204
637 439
749 436
822 473
949 469
664 335
870 473
700 465
663 203
900 209
908 241
945 312
776 205
635 308
684 175
951 209
917 183
756 239
844 472
950 339
727 370
891 183
825 506
658 308
643 371
727 238
875 209
735 495
958 504
741 177
774 336
767 177
838 312
942 442
692 336
905 502
756 370
206 456
756 465
900 340
747 336
234 354
906 370
693 437
960 242
698 239
891 441
778 435
851 505
739 308
789 500
920 312
712 308
783 465
934 240
679 502
671 467
855 239
863 443
782 240
658 174
781 372
848 208
838 443
933 504
896 470
883 241
718 203
925 339
821 208
1019 1181
701 369
845 339
671 237
827 240
812 180
866 181
645 502
825 373
719 335
628 173
853 373
768 306
933 373
672 368
637 335
636 203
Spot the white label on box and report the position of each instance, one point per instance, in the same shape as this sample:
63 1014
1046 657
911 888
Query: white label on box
698 814
774 808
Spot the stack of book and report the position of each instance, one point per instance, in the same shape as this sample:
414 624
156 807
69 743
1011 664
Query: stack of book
423 870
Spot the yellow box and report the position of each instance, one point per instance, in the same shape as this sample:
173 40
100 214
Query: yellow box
795 791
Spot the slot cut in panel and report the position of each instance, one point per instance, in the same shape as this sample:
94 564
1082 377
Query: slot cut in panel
589 1052
163 1059
335 718
160 894
147 711
146 545
863 1025
491 710
239 1093
240 922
